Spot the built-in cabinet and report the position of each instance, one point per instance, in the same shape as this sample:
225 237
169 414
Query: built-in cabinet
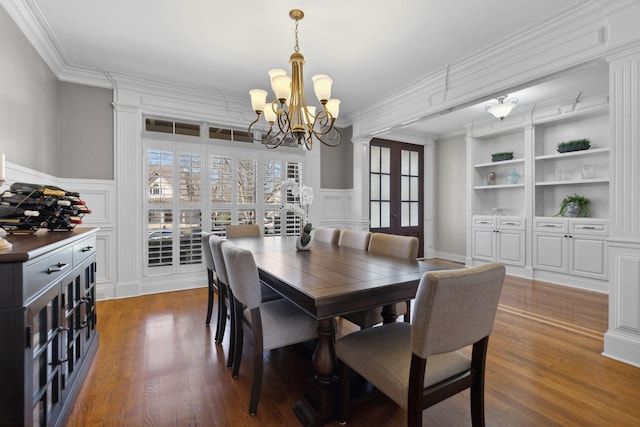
499 238
514 203
48 313
575 246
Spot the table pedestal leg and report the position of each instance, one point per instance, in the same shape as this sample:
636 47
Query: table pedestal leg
318 404
389 313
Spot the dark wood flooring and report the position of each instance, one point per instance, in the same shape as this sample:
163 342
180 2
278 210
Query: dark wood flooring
157 365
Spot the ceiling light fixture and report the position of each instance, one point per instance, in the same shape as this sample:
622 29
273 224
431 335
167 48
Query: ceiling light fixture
502 108
289 108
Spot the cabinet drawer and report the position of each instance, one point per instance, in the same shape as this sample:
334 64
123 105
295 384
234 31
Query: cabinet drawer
83 248
48 269
511 223
484 222
583 226
550 224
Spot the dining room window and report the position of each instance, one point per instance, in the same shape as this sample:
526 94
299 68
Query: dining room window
196 187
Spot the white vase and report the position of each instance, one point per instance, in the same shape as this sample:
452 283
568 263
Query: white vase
301 247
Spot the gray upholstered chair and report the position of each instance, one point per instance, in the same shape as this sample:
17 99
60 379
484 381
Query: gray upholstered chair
225 298
243 230
327 235
391 245
354 239
420 364
213 285
272 324
252 230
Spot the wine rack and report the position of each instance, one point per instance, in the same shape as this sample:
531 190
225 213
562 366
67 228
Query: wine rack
26 208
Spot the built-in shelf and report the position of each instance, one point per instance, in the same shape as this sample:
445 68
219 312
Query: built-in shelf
503 162
589 152
571 182
495 187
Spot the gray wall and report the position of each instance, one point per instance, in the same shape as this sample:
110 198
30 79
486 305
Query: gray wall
46 125
450 204
28 100
85 116
337 163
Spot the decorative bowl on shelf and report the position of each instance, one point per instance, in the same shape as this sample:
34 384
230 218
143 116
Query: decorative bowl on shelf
574 145
498 157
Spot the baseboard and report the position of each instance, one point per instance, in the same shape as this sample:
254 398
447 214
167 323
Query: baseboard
621 347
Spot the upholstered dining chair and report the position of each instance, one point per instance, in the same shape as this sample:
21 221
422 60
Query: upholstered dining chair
391 245
251 230
225 298
327 235
243 230
272 324
355 239
213 285
420 364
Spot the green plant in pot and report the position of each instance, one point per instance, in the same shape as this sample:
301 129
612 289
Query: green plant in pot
574 206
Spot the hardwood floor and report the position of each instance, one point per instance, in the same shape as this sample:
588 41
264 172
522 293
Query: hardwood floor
157 365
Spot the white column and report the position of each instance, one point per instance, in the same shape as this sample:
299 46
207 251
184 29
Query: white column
622 340
128 173
360 202
429 197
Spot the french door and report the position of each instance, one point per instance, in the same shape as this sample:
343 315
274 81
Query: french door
396 189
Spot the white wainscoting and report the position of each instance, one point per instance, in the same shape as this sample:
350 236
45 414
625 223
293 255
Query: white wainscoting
100 198
337 209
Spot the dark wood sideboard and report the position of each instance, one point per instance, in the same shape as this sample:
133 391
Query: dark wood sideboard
48 334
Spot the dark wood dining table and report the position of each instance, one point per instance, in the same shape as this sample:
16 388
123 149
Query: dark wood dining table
328 281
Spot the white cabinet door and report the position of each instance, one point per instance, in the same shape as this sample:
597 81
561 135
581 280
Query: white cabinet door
510 247
587 256
550 252
484 244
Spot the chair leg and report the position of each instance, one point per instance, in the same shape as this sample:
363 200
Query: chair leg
478 361
222 312
210 298
258 361
238 340
477 403
345 384
232 337
407 315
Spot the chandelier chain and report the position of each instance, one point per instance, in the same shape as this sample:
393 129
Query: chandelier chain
296 48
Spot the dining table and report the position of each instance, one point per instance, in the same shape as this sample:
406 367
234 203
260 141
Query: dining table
328 281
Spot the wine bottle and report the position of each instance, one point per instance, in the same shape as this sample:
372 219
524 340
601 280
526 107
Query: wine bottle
12 211
36 190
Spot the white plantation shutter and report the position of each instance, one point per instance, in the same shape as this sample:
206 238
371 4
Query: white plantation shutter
193 187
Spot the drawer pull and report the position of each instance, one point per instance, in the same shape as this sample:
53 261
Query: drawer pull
484 222
588 227
57 268
510 223
87 248
550 225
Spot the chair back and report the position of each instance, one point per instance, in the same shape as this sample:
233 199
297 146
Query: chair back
215 243
327 235
455 308
394 245
243 275
243 230
355 239
206 250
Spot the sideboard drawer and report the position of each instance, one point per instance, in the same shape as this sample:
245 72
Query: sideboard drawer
46 271
83 249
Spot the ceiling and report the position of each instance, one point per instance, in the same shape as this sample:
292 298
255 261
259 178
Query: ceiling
369 47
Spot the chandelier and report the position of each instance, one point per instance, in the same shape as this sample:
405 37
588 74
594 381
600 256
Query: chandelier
502 108
288 115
